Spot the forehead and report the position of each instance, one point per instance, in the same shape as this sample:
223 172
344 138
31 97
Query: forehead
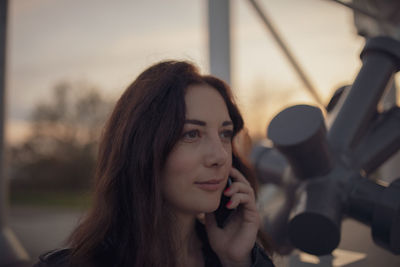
205 102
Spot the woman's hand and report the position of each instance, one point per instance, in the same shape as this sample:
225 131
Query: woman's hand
233 243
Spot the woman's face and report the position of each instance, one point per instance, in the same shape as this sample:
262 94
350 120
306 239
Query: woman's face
197 169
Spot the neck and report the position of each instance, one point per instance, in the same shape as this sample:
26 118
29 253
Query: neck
188 244
186 235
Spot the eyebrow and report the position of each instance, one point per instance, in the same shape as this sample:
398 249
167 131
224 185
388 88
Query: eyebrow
203 123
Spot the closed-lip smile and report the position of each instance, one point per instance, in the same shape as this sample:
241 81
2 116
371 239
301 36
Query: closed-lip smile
210 185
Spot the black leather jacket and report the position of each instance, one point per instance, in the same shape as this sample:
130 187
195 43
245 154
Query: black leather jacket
60 257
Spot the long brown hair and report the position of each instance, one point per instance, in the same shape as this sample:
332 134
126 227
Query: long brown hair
127 214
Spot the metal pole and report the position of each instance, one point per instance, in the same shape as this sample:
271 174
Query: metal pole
219 39
296 66
360 10
11 251
380 143
381 59
3 32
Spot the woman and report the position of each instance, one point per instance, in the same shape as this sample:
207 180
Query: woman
164 161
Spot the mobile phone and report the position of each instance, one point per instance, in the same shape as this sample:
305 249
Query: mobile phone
222 214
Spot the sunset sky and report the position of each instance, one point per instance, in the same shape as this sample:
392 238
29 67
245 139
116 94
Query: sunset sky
108 43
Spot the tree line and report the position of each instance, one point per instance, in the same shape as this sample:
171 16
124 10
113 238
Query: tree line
59 153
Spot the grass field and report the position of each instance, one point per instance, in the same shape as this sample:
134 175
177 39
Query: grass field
78 200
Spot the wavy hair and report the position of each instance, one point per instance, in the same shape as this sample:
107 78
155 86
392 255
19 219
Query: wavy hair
127 214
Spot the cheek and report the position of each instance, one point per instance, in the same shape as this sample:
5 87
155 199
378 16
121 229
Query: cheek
179 172
179 163
228 150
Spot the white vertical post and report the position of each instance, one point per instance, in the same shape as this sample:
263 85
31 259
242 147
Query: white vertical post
219 39
3 40
11 251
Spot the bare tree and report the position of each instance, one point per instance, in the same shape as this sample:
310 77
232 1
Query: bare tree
60 152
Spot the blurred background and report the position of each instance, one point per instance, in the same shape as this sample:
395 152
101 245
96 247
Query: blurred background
69 61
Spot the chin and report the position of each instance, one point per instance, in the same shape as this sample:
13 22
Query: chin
211 205
201 203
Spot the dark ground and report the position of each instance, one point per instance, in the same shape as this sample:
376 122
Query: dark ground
43 229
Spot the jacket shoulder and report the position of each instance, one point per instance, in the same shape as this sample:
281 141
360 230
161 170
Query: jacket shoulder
260 258
54 258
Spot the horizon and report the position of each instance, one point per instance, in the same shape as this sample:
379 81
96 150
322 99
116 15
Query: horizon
108 44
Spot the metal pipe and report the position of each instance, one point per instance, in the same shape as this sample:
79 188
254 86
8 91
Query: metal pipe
381 58
11 251
340 188
289 55
381 142
315 223
219 39
299 133
3 41
386 219
269 164
363 196
359 10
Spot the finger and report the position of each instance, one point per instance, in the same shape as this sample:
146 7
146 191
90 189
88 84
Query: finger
238 176
247 205
238 187
239 198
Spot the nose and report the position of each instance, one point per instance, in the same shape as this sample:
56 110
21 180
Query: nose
216 153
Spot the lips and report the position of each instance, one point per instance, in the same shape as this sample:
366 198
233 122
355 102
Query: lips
210 185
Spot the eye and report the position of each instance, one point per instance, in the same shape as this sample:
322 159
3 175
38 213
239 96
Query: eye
191 135
227 134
